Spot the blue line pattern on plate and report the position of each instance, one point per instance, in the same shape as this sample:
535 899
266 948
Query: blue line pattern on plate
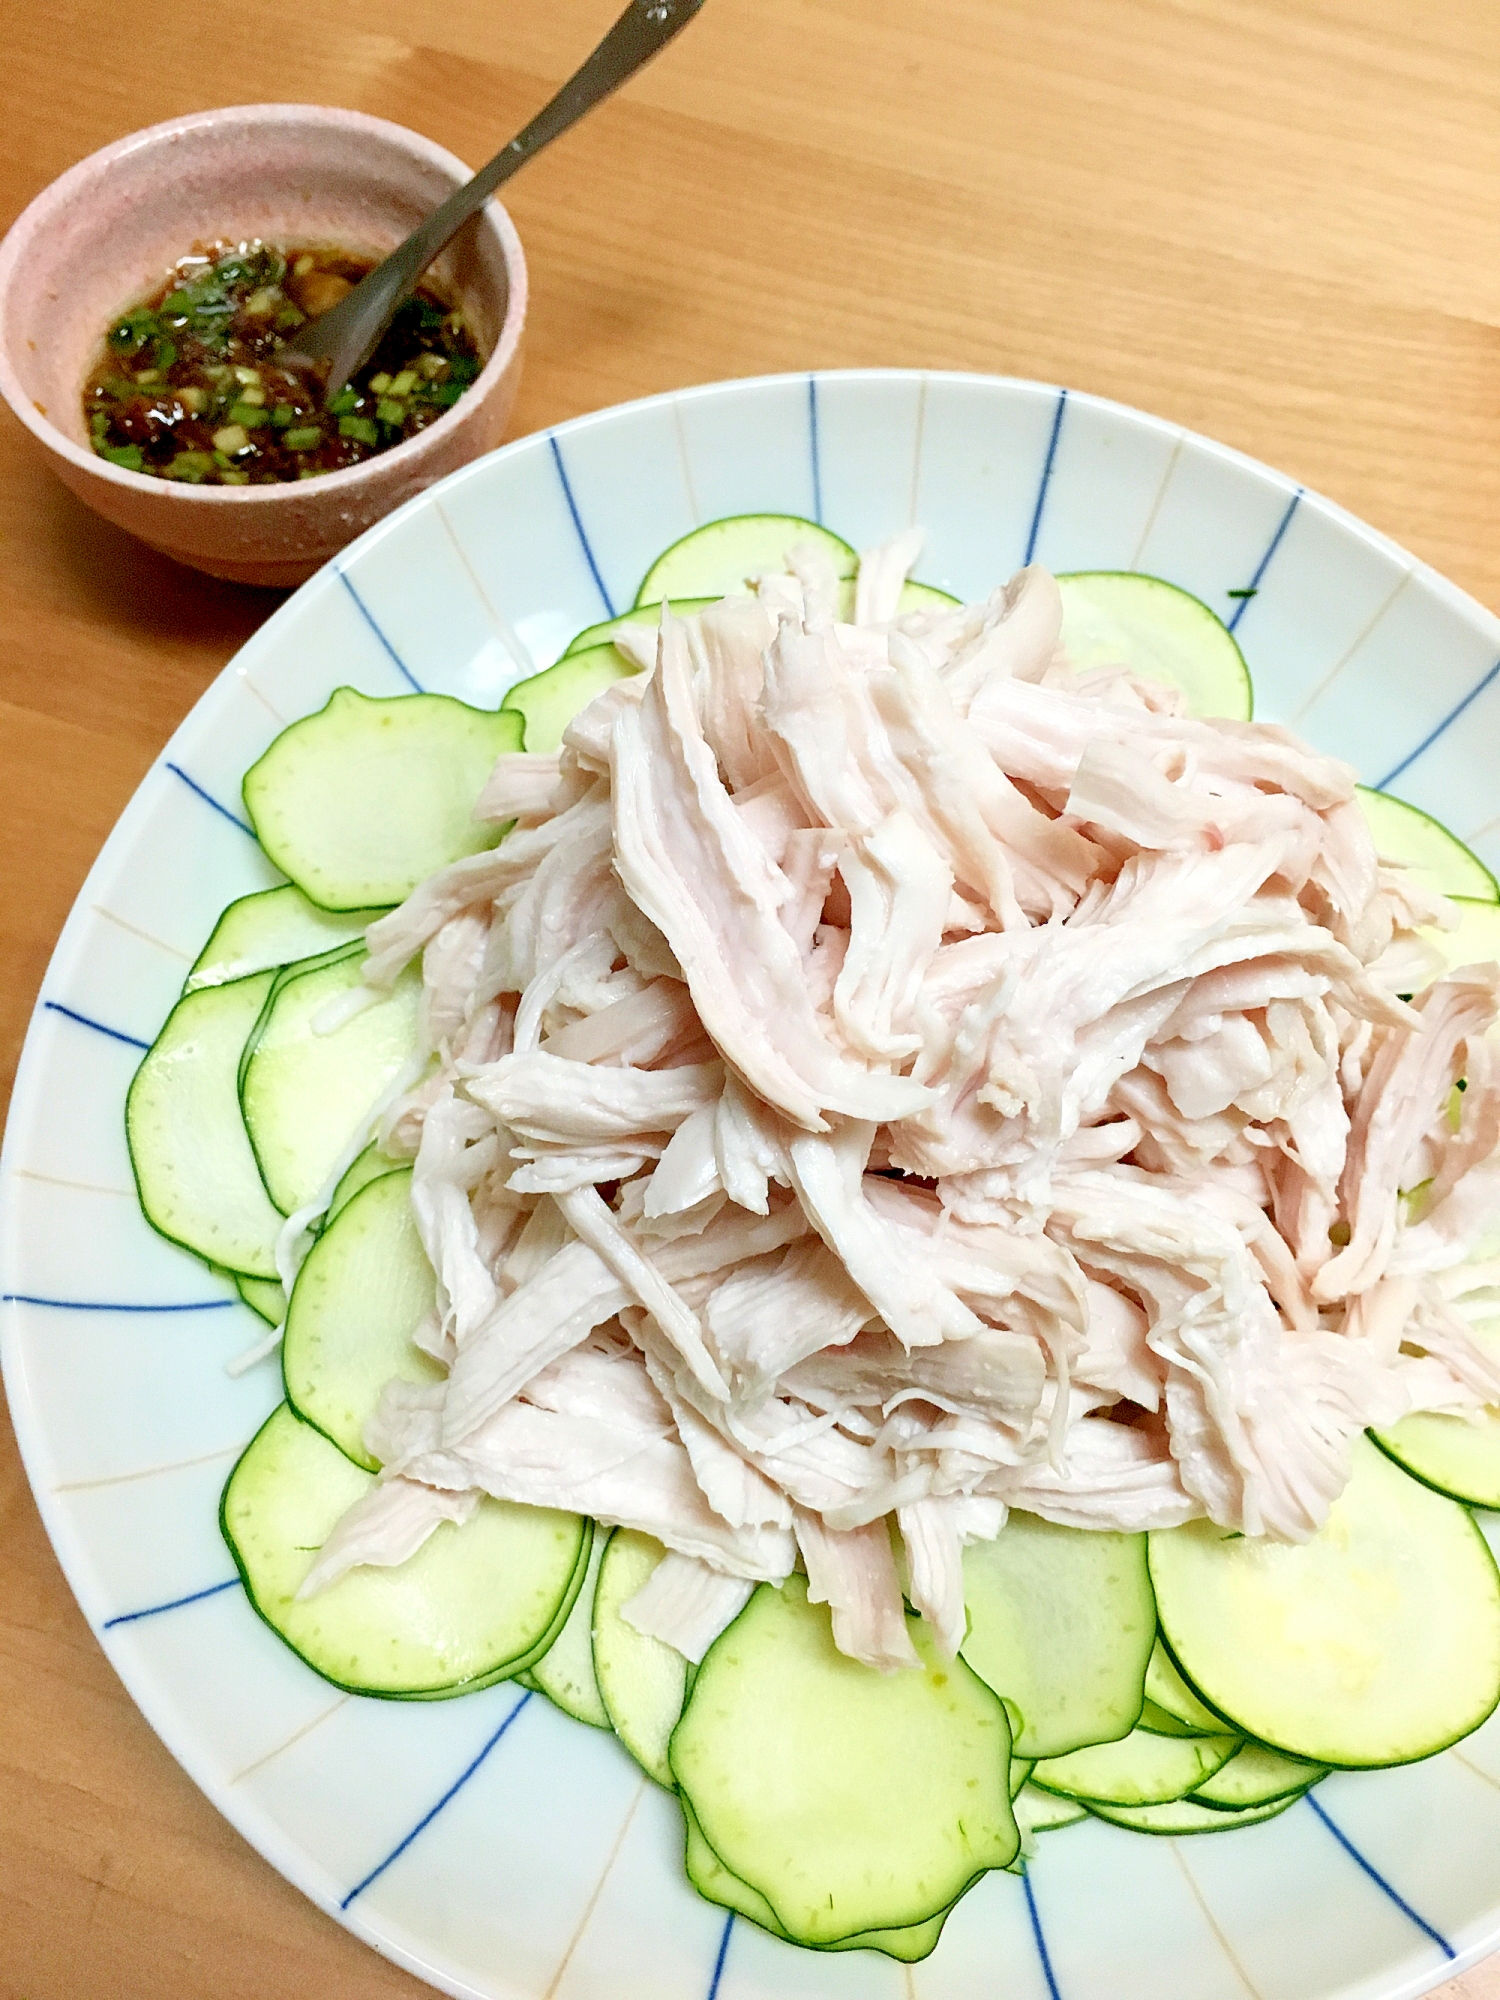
1433 734
365 612
209 800
1380 1882
88 1021
812 448
113 1305
583 540
1261 567
431 1814
722 1954
172 1604
1046 480
1036 1931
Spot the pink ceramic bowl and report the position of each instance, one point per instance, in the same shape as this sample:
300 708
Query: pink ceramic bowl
107 233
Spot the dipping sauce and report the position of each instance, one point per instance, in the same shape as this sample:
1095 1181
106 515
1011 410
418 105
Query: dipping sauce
188 386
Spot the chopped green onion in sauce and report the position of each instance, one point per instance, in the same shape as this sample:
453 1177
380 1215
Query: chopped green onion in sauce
193 385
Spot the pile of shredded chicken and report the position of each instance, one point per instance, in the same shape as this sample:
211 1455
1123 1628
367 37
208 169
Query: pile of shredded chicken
887 1073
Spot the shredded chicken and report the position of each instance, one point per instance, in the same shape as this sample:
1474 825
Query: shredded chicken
884 1078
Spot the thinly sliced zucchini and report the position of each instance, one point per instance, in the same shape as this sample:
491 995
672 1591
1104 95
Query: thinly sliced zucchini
1375 1643
852 1800
1140 1770
1254 1776
1020 1770
565 1672
362 801
1405 834
308 1096
925 597
717 1884
641 1681
360 1294
1167 1691
1180 1816
715 560
1040 1812
1455 1455
266 1296
194 1167
640 618
1121 618
271 928
1061 1622
473 1605
1474 940
547 703
1160 1722
370 1165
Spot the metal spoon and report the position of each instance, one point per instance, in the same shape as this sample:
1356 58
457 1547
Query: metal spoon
348 334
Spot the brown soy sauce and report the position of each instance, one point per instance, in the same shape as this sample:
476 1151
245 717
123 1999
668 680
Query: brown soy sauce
188 385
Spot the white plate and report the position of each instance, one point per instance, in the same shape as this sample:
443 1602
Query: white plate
490 1844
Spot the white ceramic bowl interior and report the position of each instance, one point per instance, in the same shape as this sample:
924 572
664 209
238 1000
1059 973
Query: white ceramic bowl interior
489 1843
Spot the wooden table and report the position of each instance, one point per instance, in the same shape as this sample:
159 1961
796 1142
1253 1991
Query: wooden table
1274 220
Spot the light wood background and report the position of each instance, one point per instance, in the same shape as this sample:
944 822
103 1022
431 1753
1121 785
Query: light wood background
1277 221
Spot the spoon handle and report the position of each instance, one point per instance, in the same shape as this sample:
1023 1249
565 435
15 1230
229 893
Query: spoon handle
348 334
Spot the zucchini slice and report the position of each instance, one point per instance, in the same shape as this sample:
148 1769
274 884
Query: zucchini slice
308 1096
359 1296
1405 834
924 597
1140 1770
271 928
1161 1722
1254 1776
1375 1643
1040 1812
1451 1454
715 560
1121 618
265 1296
364 800
194 1167
640 617
852 1800
1179 1816
1474 940
1169 1693
1061 1623
474 1605
717 1884
642 1682
547 703
370 1165
565 1672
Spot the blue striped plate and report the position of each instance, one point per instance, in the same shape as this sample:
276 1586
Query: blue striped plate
491 1845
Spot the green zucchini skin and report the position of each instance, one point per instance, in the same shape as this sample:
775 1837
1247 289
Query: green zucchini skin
546 703
361 1292
717 559
852 1801
1399 1581
465 1611
1159 632
195 1171
307 1096
270 929
1061 1622
321 798
1404 833
642 1682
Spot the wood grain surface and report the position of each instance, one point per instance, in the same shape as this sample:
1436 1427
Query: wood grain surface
1274 220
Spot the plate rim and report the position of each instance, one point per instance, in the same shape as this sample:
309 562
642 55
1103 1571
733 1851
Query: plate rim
253 1824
